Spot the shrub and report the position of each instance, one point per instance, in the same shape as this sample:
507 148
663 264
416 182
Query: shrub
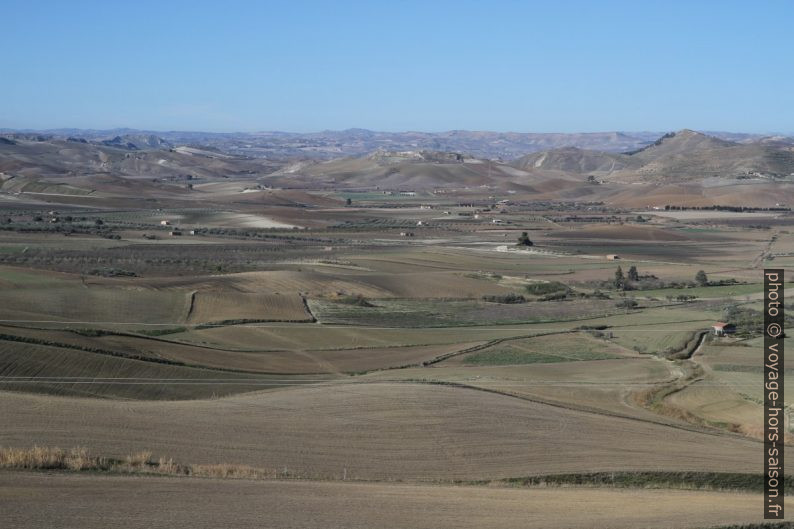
543 289
357 300
524 240
627 303
506 299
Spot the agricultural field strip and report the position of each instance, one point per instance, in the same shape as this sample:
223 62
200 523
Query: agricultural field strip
492 388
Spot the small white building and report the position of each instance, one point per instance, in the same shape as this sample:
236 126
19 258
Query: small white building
165 223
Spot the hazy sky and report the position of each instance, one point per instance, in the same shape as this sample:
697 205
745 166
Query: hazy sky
387 65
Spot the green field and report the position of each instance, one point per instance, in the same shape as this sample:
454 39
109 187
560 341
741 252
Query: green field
545 349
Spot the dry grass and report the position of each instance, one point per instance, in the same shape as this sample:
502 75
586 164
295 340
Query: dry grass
79 459
215 307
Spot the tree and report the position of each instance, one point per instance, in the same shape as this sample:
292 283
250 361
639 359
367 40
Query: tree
99 222
349 201
628 303
633 275
701 278
620 281
523 240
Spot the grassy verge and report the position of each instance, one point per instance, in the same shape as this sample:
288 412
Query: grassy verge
652 480
142 463
775 525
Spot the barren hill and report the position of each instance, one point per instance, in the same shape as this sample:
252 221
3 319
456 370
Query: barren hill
675 157
575 160
400 170
42 156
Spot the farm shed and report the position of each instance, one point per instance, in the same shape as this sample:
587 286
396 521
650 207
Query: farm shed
721 328
613 257
165 223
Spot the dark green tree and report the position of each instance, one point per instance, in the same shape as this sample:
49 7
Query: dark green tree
523 240
620 281
633 275
701 278
349 201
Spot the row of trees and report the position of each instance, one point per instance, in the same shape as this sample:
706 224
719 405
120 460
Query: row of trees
621 281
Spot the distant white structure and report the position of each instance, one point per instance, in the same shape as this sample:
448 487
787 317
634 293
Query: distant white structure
420 223
165 223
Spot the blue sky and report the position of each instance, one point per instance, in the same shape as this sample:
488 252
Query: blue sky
434 65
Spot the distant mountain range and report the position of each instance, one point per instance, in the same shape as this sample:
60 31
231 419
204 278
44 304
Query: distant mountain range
327 145
685 167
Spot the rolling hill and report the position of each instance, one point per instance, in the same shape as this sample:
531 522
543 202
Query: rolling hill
576 160
675 157
400 170
23 155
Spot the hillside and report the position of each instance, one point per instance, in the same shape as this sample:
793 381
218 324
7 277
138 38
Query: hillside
675 157
400 170
575 160
689 155
23 155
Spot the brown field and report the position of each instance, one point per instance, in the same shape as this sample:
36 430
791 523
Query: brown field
209 307
63 501
382 431
59 371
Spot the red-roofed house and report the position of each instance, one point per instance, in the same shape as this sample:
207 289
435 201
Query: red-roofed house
721 328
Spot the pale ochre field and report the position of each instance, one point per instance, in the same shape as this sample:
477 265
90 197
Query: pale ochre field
94 502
